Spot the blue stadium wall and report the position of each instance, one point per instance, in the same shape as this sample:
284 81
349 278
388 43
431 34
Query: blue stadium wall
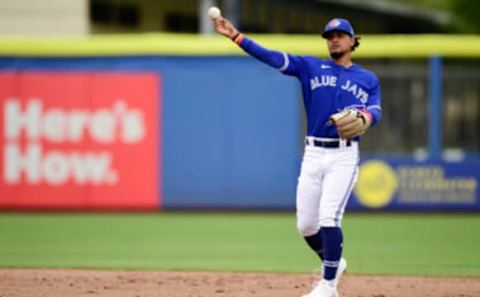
232 139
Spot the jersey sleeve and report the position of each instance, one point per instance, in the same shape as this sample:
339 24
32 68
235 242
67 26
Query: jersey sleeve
285 63
373 105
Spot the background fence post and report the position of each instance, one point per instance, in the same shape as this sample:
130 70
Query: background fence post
435 110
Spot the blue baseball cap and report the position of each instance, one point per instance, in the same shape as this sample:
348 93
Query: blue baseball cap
337 24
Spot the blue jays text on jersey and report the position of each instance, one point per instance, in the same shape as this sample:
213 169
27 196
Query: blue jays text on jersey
327 87
331 81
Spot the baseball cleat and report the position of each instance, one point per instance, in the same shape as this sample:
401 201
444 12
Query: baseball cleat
322 289
342 266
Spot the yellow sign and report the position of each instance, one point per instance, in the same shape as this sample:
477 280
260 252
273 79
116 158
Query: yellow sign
376 185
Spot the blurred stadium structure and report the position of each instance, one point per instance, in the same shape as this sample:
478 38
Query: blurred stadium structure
431 95
80 17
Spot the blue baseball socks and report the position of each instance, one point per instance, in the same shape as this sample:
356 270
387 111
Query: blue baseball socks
332 250
328 244
316 243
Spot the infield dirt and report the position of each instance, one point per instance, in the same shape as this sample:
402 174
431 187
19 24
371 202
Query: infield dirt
75 283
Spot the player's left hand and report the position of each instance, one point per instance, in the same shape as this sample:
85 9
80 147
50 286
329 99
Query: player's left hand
351 123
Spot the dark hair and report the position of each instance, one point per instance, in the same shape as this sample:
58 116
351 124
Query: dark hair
357 43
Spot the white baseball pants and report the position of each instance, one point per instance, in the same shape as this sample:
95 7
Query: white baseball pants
325 183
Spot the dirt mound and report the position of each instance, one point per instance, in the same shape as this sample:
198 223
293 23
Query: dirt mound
73 283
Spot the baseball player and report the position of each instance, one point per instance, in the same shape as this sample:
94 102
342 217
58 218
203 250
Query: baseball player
342 101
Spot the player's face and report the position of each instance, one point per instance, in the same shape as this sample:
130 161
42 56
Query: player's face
339 43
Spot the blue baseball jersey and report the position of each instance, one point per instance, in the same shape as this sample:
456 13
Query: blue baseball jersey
327 87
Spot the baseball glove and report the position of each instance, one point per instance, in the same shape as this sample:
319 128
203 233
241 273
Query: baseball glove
351 123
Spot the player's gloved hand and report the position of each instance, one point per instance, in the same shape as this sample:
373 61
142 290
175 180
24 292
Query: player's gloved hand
351 123
224 27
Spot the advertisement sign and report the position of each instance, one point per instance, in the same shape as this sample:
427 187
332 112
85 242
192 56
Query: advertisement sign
79 140
409 185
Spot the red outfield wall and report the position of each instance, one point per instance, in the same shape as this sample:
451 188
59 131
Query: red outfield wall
79 140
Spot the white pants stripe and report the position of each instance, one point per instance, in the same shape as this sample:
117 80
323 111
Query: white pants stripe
325 183
341 208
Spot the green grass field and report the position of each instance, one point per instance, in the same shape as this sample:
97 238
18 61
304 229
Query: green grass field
440 245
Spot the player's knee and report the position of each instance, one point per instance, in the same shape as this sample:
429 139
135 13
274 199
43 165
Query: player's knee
329 221
308 227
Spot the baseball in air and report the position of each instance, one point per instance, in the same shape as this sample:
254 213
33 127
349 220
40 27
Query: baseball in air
214 12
